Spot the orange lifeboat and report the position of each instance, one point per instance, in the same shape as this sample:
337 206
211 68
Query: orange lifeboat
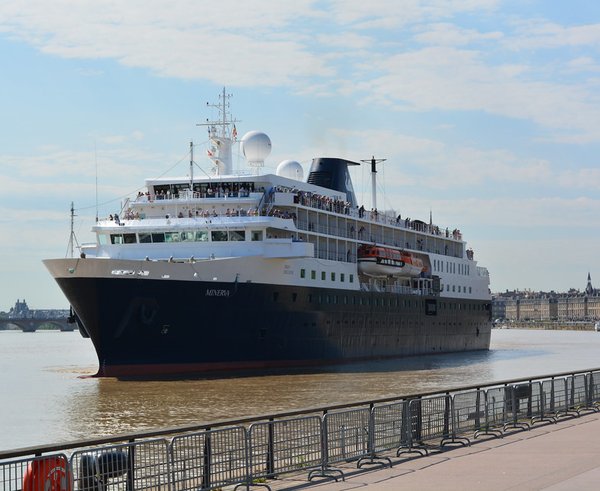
385 261
48 474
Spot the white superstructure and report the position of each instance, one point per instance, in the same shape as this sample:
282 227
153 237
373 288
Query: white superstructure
275 228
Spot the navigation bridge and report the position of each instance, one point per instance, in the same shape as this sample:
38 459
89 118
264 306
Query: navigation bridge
22 317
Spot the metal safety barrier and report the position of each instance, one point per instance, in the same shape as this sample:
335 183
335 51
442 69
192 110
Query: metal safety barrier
320 441
137 465
209 459
594 389
390 426
283 446
51 471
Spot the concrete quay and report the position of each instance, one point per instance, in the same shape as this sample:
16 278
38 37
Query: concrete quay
555 457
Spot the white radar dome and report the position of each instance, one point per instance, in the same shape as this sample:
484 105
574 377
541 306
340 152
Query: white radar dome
256 146
290 169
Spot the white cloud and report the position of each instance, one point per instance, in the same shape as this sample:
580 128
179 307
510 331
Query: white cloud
583 64
184 40
119 139
387 14
461 167
459 79
346 40
541 34
322 49
446 34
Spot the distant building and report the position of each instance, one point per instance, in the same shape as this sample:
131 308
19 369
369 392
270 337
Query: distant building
22 311
546 306
498 307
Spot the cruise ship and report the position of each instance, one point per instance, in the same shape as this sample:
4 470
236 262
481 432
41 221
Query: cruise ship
254 271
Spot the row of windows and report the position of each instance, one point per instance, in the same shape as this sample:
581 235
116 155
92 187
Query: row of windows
462 289
313 275
451 267
186 236
379 302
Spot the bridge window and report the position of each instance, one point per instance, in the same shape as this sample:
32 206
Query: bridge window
323 275
313 275
332 276
256 235
302 273
145 238
201 236
342 276
102 239
116 239
187 236
237 235
159 237
218 236
129 238
171 236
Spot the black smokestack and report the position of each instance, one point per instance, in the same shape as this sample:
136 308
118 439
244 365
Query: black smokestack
333 174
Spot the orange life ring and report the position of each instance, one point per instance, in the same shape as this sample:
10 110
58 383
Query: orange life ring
48 474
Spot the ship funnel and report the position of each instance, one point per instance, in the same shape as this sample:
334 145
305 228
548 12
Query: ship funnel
333 174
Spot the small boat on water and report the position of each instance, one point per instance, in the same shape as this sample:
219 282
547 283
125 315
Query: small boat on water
379 261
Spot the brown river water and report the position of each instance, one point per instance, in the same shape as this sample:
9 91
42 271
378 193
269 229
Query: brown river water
46 398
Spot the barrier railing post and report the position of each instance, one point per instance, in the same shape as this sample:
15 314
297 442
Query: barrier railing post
572 392
324 441
530 401
516 393
271 449
487 417
416 418
592 399
371 430
447 404
552 401
477 412
206 458
371 456
130 484
449 433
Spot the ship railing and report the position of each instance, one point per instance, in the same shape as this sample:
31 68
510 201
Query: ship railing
380 286
314 442
339 207
186 195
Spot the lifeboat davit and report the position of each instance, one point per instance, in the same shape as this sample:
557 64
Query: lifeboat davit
384 261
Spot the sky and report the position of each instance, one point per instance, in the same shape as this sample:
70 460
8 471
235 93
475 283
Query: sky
487 111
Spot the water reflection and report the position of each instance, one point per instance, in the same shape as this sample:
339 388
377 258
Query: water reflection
124 406
49 402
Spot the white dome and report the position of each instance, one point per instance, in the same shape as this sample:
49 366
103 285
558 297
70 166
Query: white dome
290 169
256 146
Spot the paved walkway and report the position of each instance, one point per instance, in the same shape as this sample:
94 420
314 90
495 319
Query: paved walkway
556 457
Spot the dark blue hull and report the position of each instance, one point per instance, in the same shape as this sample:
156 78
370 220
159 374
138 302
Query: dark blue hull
150 327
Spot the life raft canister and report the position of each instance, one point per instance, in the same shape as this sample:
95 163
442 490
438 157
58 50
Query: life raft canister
48 474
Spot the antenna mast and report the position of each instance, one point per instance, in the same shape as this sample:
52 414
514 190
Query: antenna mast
191 167
374 163
221 134
96 162
72 238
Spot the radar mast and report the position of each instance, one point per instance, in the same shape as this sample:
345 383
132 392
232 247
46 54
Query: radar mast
373 161
222 133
